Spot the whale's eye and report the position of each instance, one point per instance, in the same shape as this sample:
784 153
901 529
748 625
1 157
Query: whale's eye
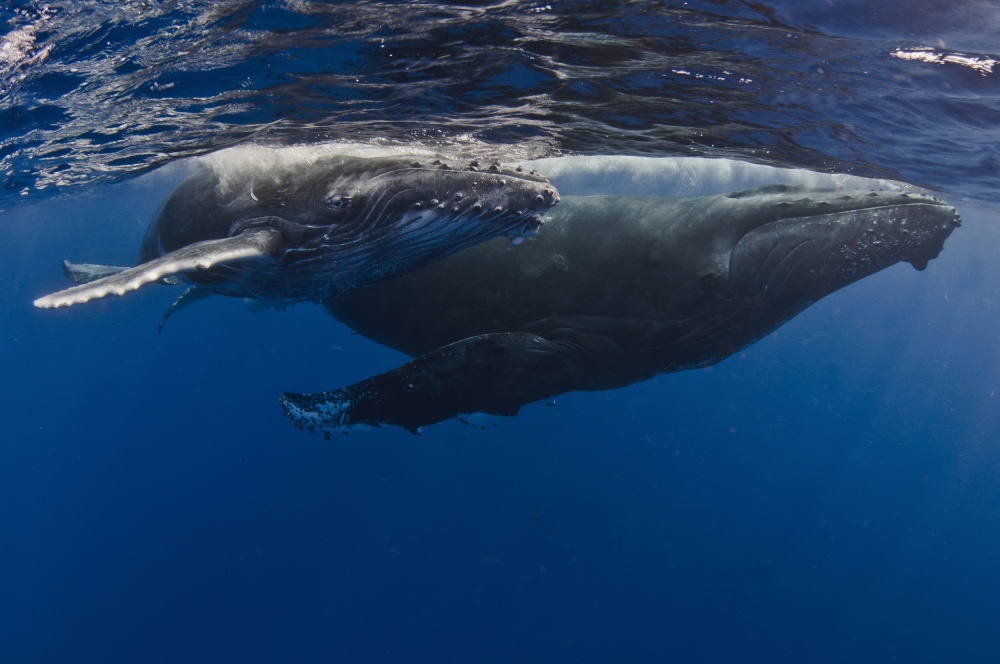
338 201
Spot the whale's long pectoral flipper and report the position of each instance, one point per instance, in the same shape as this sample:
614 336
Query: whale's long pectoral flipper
494 374
256 243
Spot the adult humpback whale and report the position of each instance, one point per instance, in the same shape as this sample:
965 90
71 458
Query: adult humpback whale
314 226
617 290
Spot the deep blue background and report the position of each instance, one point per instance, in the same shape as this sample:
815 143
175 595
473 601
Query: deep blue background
831 494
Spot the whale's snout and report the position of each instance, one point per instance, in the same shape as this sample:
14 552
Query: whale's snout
832 239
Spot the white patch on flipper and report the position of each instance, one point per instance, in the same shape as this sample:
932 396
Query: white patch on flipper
326 416
200 255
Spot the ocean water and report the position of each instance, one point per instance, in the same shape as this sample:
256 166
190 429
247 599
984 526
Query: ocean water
830 494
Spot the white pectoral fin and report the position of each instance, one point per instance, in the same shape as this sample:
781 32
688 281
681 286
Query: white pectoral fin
257 243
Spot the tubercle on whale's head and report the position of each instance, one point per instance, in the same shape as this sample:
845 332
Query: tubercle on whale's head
472 200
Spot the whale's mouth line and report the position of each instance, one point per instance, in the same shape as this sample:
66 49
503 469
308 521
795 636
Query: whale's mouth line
377 211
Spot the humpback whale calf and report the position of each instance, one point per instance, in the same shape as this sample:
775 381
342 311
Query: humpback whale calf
308 228
616 290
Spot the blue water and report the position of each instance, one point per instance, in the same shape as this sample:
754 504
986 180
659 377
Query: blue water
830 494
